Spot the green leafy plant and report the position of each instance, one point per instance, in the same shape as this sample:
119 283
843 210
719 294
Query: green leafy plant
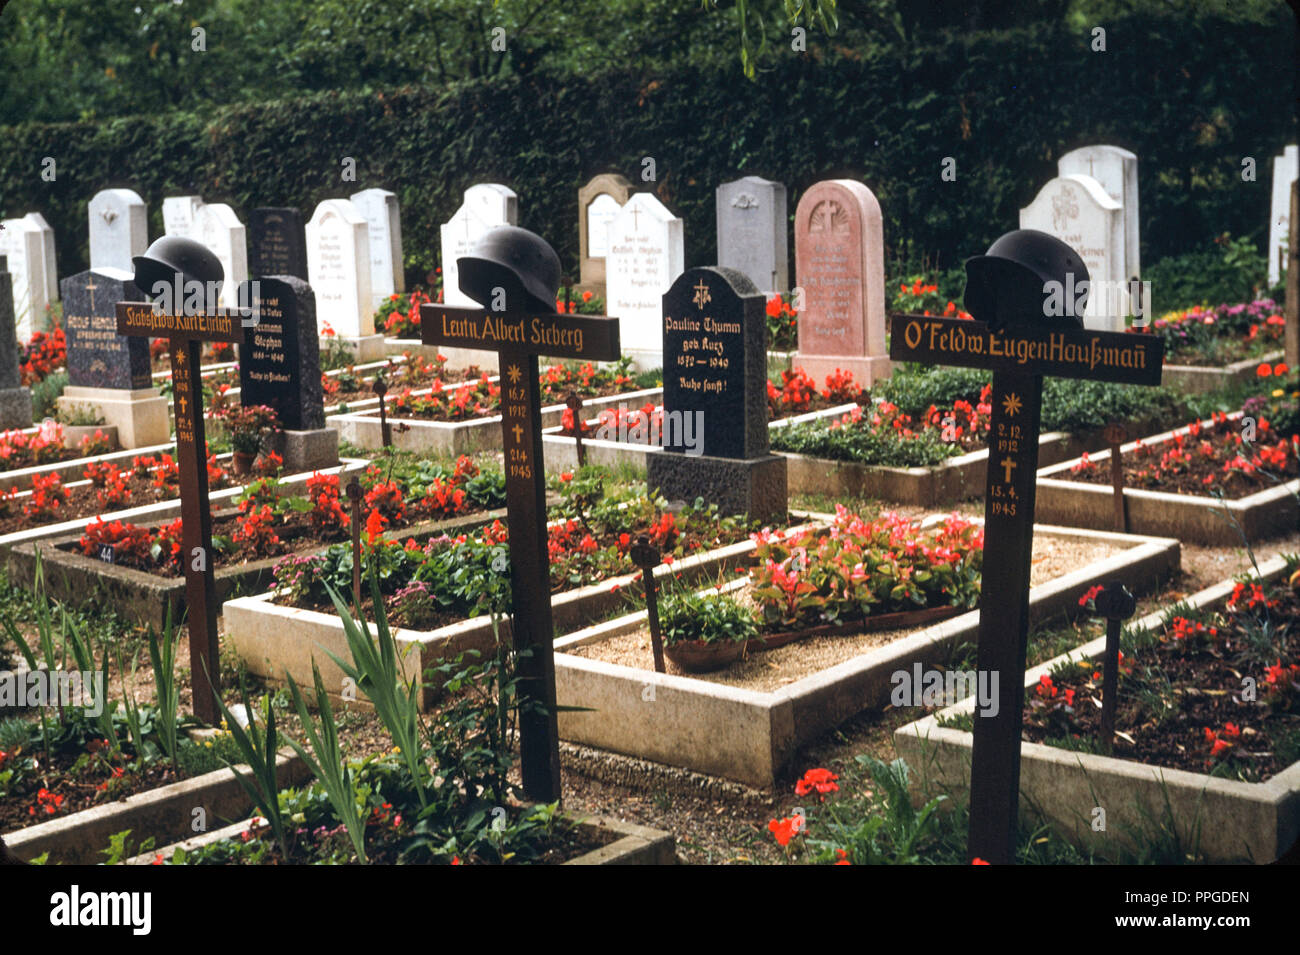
328 764
162 655
710 617
257 747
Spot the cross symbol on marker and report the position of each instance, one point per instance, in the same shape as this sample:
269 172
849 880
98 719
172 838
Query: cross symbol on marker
90 287
635 225
1008 465
519 432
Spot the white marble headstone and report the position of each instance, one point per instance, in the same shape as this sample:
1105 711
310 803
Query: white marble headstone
600 213
486 206
379 208
49 260
119 229
646 253
179 213
1077 210
1286 169
1117 171
338 268
22 242
217 227
752 224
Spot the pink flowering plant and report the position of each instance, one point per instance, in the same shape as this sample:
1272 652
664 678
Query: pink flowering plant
21 449
858 568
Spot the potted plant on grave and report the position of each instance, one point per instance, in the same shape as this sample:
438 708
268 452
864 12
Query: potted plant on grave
81 422
704 631
249 427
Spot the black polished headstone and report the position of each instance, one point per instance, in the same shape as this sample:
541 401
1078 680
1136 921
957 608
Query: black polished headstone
277 243
279 362
98 357
10 353
715 362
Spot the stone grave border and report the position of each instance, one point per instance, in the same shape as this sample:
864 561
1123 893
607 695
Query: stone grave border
362 428
73 468
254 625
562 453
958 478
756 732
165 812
636 845
1255 820
142 596
158 510
1199 379
1193 518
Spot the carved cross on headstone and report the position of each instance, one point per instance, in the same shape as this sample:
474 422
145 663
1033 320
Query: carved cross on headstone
519 336
1019 356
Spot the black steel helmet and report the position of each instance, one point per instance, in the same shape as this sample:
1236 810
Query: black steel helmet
511 258
171 254
1006 284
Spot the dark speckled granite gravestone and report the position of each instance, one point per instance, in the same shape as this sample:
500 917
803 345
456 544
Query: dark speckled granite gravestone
715 397
98 357
277 243
15 400
279 366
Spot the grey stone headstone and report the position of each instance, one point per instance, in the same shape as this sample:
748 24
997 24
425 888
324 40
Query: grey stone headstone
279 362
98 357
384 222
277 243
119 229
49 261
752 225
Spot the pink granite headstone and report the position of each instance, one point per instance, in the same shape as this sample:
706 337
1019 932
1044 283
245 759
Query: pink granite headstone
839 251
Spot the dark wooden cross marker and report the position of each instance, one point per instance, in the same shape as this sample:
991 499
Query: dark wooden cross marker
646 556
1019 356
1116 604
519 337
574 404
187 334
1115 435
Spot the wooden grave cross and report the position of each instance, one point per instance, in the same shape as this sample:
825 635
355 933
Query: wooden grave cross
1019 356
187 334
519 337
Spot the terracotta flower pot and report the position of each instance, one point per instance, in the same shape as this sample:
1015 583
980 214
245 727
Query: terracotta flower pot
242 463
696 656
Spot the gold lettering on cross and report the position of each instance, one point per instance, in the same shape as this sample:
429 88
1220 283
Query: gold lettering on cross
519 434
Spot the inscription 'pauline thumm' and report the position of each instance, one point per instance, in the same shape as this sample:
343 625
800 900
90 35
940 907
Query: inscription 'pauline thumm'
500 330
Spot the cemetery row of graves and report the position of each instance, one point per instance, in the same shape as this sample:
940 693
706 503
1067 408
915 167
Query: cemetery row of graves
446 560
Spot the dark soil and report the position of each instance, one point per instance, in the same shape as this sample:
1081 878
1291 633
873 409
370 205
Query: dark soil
83 502
56 457
1146 467
397 375
1204 691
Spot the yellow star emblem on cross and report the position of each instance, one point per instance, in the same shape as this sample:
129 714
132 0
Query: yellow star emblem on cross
514 373
1011 404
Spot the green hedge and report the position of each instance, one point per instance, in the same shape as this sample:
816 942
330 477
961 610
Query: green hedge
1190 95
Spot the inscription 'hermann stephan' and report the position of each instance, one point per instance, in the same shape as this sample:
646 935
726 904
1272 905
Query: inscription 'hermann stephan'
497 329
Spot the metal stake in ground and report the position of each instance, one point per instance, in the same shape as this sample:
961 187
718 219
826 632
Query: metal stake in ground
1116 604
385 432
574 404
646 556
1115 435
186 334
518 337
354 493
